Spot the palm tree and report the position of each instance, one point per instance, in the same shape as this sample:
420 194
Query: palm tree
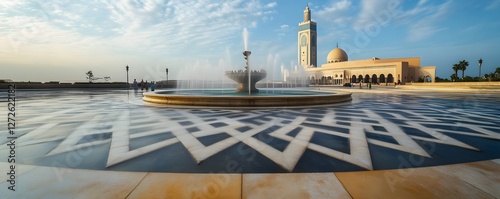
456 67
453 77
463 66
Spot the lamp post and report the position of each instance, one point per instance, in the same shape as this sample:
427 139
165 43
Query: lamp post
480 63
166 70
126 67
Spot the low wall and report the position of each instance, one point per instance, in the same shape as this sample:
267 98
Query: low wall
26 85
452 85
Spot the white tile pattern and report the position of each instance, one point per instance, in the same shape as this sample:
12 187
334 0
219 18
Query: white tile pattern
86 125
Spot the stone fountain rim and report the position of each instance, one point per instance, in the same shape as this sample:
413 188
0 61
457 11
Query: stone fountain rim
320 93
247 101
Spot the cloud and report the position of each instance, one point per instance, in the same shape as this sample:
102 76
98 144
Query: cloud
186 24
148 25
428 25
282 30
494 4
335 17
271 5
421 18
11 4
336 10
370 10
421 2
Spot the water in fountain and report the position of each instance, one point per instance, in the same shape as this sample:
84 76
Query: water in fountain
205 76
245 38
280 76
247 57
274 76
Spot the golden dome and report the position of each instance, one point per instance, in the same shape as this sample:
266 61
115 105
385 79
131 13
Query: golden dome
337 55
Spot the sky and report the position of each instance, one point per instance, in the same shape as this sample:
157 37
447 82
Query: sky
62 40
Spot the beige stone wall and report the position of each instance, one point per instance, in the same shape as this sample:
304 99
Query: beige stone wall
386 68
412 62
406 70
427 71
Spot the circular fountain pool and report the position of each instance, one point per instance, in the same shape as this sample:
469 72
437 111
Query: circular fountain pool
230 98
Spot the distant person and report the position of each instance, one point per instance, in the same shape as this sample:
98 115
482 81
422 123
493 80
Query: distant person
146 85
135 85
142 84
152 86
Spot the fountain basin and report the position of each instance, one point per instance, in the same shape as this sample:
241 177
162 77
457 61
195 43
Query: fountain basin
241 77
298 98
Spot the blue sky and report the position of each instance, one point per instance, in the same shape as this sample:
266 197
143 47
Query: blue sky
61 40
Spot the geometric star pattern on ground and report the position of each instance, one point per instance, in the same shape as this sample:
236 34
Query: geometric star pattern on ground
77 128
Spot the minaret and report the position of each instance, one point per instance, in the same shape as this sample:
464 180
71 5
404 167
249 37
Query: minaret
307 14
307 47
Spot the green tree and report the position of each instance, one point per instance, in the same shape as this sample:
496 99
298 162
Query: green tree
439 79
456 67
497 71
453 77
90 76
486 75
463 66
470 79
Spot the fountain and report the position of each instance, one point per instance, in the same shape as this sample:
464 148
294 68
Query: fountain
246 79
246 94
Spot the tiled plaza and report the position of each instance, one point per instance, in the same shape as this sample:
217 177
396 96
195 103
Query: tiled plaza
378 136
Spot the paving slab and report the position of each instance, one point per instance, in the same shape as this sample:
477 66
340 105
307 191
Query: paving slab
178 185
484 175
408 183
52 182
297 185
19 169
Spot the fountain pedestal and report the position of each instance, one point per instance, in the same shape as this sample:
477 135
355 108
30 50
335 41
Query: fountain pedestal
246 79
241 77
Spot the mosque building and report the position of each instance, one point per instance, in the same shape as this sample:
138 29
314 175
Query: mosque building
338 70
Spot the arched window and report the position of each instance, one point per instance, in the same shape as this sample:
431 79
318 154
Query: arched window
303 40
382 78
390 78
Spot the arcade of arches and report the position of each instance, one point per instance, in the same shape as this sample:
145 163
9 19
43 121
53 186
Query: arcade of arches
374 79
375 70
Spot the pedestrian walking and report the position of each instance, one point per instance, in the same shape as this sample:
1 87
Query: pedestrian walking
135 84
